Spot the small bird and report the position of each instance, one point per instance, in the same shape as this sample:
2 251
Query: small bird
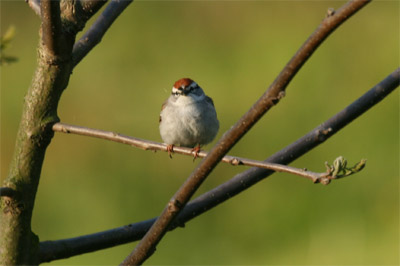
188 117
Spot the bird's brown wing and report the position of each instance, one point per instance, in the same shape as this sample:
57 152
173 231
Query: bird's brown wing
162 108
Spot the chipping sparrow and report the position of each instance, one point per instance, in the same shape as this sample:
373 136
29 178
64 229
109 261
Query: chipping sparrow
188 117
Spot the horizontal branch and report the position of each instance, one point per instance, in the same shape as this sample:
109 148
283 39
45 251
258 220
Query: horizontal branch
65 248
156 146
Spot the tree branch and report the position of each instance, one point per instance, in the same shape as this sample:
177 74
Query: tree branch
96 32
7 192
271 97
90 7
19 245
35 5
324 177
51 26
61 249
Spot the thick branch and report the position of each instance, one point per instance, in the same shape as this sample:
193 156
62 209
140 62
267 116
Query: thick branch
7 192
19 245
61 249
96 32
151 145
76 12
51 26
274 93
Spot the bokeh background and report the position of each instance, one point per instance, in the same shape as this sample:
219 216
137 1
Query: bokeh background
234 50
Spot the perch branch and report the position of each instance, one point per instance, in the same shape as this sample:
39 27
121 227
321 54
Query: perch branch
152 145
271 97
65 248
96 32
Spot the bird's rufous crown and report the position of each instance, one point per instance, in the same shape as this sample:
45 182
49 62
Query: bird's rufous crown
182 83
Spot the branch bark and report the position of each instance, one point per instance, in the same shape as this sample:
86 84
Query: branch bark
65 248
51 27
271 97
19 245
324 177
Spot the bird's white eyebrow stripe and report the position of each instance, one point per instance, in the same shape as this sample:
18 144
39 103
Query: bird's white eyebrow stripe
174 90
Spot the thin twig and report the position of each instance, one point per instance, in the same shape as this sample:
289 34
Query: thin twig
96 32
271 97
65 248
35 5
152 145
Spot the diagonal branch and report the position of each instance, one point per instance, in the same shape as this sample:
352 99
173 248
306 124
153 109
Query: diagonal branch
271 97
96 32
61 249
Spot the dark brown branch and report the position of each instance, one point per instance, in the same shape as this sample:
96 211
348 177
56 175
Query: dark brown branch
51 26
61 249
96 32
271 97
7 192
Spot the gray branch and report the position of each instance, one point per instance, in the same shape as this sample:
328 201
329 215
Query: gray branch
65 248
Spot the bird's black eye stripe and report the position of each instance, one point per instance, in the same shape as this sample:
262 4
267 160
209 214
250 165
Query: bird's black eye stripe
185 91
192 88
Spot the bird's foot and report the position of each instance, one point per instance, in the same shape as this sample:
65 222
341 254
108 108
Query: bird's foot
170 150
196 151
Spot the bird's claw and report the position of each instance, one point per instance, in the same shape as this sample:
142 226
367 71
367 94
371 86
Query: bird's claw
170 150
196 151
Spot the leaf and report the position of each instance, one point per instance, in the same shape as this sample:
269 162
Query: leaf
7 37
339 167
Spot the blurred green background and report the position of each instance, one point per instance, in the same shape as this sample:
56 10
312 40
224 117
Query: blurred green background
234 50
